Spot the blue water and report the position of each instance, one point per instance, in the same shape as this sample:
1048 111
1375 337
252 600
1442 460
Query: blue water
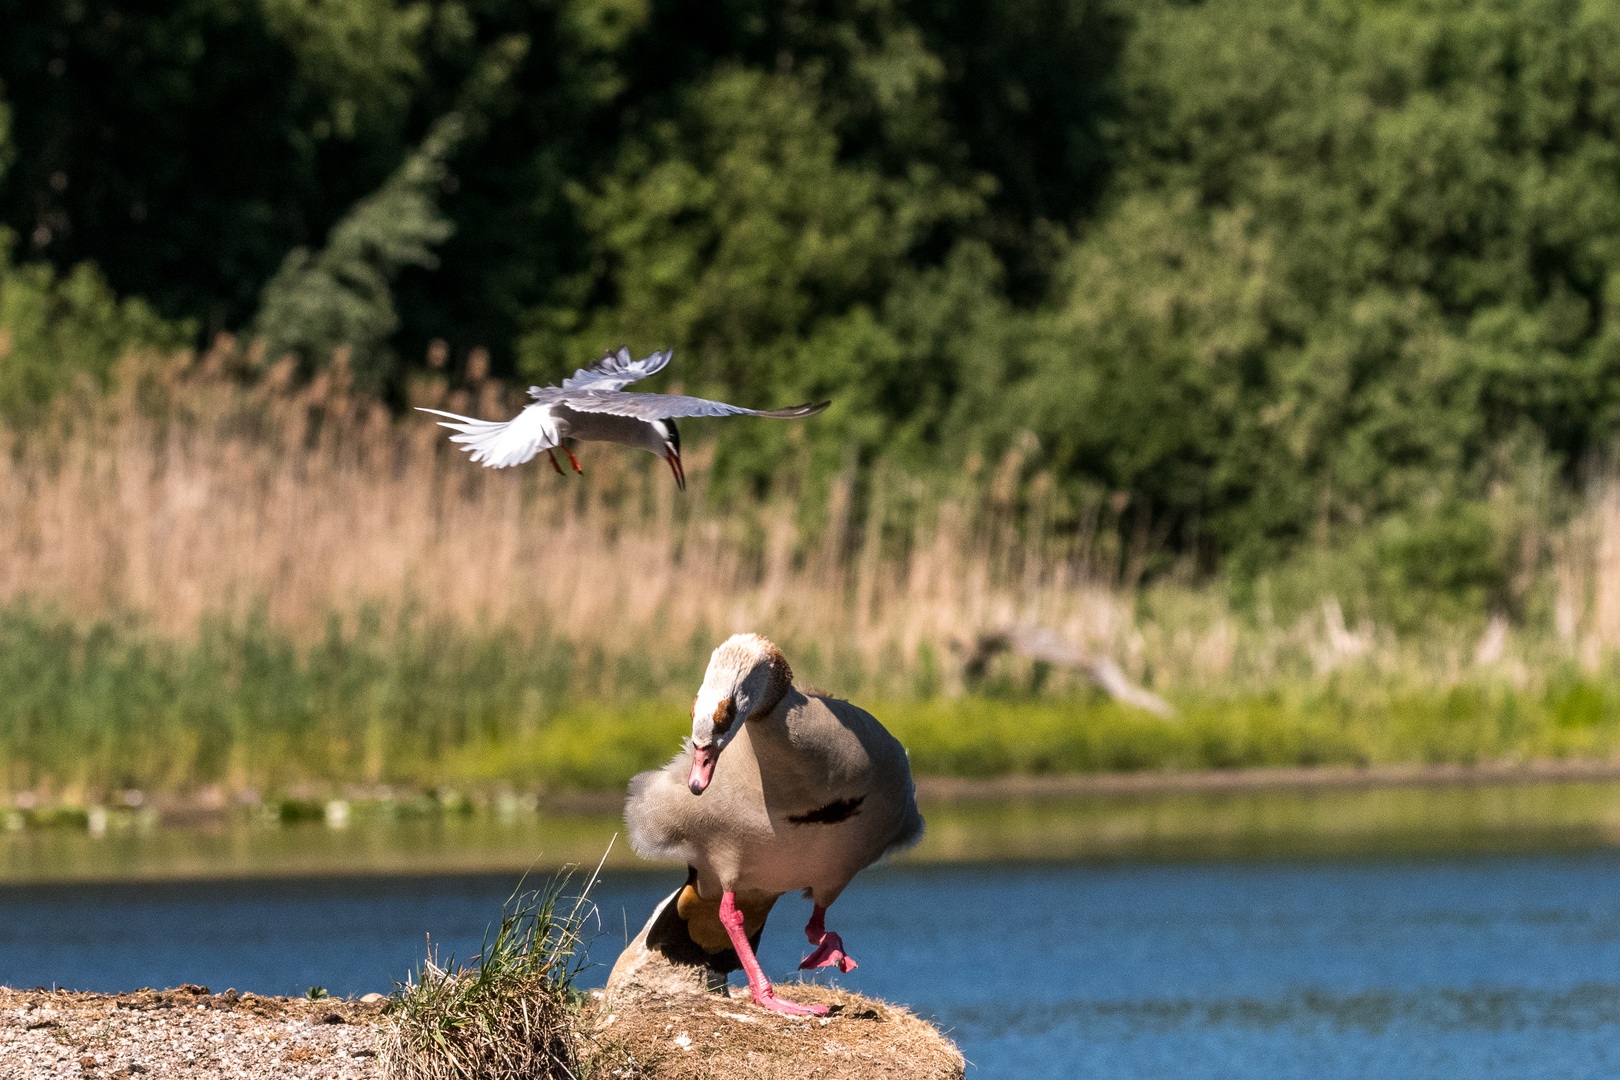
1488 967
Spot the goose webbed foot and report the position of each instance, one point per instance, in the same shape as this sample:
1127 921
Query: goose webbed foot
769 1000
829 952
758 985
829 946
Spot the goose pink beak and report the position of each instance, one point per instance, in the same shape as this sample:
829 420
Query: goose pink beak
703 759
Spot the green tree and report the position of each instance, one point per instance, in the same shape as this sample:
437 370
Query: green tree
341 296
55 329
735 234
1351 250
8 152
186 147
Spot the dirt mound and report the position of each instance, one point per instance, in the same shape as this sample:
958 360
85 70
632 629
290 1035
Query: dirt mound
190 1034
695 1036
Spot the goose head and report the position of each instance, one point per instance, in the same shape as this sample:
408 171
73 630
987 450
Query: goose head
747 676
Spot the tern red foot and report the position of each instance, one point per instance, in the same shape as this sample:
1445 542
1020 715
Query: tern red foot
554 464
758 985
572 461
829 946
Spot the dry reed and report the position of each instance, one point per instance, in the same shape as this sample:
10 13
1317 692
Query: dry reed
188 492
184 494
209 579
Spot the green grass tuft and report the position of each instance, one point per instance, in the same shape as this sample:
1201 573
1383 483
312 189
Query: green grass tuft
511 1013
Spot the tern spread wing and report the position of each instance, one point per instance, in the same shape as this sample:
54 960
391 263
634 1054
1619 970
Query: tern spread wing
614 371
499 443
665 406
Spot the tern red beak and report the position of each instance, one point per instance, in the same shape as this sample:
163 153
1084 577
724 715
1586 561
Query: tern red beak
674 459
703 759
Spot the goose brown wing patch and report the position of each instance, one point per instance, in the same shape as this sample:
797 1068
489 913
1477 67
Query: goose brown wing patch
831 814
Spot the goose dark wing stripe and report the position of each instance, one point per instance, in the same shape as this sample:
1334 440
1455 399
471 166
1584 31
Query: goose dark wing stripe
831 814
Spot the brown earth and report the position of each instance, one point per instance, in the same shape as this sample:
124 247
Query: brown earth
189 1034
184 1034
706 1036
670 1016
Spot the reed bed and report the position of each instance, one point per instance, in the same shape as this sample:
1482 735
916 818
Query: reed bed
215 579
184 496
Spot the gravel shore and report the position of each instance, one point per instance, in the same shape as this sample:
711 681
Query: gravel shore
185 1034
189 1034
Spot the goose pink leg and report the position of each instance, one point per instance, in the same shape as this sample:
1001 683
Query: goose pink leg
829 946
758 985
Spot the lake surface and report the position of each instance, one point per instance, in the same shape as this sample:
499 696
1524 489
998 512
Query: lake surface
1476 966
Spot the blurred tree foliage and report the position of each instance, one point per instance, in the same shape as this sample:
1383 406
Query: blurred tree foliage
187 146
1257 270
342 296
54 329
1353 249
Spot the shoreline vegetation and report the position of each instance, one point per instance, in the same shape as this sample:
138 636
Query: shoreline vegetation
1397 812
218 588
134 811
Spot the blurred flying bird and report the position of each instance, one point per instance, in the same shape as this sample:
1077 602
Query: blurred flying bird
1039 643
592 405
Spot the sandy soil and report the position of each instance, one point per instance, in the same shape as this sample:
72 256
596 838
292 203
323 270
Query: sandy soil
190 1034
711 1037
183 1034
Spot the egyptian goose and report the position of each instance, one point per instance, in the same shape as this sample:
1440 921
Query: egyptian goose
779 789
593 405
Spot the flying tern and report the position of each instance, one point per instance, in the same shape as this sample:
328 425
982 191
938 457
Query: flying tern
593 405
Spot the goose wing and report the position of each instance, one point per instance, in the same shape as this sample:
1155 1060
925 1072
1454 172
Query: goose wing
667 406
614 371
501 443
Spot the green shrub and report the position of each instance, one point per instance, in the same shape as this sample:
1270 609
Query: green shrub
54 329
